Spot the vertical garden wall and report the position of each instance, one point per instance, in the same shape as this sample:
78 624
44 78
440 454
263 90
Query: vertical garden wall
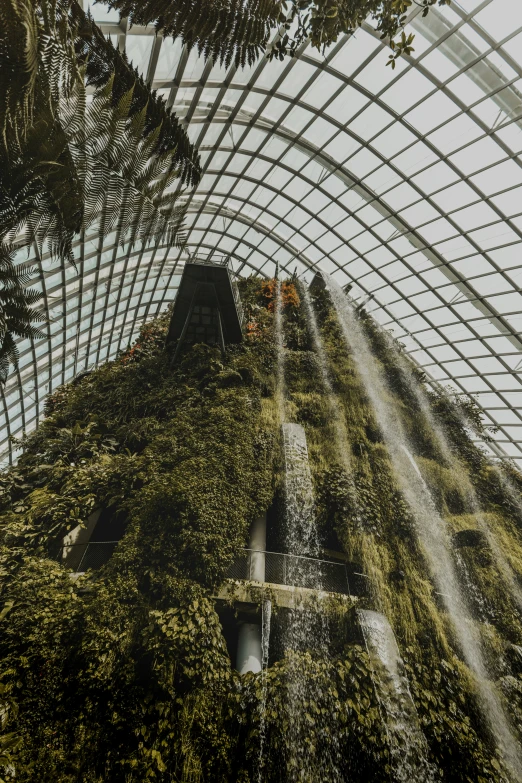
123 674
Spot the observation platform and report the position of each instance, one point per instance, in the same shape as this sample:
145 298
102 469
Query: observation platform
296 571
258 578
207 308
248 596
281 571
294 581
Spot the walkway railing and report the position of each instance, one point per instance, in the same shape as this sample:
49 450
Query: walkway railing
237 299
272 567
217 259
297 571
90 556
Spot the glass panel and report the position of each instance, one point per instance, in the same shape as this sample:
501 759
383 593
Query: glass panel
168 60
138 49
314 186
500 18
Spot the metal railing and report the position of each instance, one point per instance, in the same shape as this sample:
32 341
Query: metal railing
87 557
237 299
255 565
217 260
298 571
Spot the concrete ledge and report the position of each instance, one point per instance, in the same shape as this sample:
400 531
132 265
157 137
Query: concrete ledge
249 595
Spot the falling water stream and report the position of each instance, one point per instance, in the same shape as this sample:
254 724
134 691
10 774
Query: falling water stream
312 752
431 528
408 746
266 616
337 416
510 490
280 353
422 400
307 635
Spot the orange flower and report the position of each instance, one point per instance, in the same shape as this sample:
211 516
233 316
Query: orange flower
289 295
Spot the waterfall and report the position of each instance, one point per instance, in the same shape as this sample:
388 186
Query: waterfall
508 487
307 628
338 423
266 616
280 353
266 620
408 744
473 592
421 398
430 527
306 637
300 528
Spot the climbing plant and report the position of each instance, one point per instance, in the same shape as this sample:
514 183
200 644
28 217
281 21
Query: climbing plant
120 675
124 673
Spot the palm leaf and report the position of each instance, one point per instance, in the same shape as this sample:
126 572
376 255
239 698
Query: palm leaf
18 66
240 30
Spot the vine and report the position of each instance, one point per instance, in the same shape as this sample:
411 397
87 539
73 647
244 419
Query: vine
123 674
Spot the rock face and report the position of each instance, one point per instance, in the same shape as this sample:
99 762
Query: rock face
469 538
397 577
514 655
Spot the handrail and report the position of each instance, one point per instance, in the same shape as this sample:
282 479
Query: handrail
210 259
88 543
88 555
303 571
276 567
302 557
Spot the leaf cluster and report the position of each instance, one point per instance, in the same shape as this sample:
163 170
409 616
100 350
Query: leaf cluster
18 317
241 32
67 163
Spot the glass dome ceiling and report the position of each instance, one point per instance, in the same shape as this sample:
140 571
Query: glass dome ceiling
405 182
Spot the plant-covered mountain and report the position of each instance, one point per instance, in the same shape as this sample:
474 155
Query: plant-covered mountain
123 674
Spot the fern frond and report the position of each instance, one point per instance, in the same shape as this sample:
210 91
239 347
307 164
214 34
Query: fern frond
17 316
103 60
19 36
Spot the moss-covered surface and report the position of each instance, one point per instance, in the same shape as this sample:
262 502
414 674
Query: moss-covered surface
124 675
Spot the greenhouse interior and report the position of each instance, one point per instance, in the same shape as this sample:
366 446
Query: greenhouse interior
261 391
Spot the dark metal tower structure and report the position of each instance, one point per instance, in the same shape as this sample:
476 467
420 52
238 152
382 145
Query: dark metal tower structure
207 307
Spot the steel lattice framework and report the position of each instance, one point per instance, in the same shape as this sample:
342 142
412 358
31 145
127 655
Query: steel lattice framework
405 182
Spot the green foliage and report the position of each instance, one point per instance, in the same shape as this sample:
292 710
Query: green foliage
46 51
342 717
208 24
240 31
123 674
102 61
440 693
17 315
68 163
119 181
373 523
